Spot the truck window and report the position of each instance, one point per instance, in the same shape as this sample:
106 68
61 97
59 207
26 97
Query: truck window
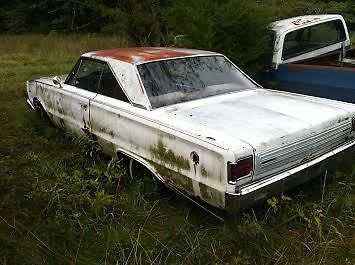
312 38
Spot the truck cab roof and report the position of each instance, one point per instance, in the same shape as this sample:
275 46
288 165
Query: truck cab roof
293 23
293 42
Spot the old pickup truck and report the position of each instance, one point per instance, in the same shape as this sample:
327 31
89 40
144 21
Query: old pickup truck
312 56
196 122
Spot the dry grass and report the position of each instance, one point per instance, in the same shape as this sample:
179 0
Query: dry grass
56 47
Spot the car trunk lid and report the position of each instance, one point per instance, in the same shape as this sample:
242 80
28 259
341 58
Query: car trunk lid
284 129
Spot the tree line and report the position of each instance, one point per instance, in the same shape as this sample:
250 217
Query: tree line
226 26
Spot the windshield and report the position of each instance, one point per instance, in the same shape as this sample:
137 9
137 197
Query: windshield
178 80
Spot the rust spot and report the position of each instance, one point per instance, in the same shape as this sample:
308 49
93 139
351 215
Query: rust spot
211 195
167 156
62 123
174 178
59 107
195 158
107 146
84 121
106 131
204 172
143 54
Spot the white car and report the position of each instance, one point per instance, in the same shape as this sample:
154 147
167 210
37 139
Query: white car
197 122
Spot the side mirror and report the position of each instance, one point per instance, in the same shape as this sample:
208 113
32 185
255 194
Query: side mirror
57 81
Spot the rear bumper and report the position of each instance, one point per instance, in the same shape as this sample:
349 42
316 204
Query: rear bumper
256 191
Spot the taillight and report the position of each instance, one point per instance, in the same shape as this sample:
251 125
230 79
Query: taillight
240 169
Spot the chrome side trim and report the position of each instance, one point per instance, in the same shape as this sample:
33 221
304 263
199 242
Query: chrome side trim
259 185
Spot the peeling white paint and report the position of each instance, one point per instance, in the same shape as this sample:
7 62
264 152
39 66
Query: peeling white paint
260 123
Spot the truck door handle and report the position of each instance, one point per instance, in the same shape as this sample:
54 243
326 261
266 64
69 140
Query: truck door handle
83 105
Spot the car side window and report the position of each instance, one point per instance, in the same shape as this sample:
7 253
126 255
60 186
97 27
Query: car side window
71 76
109 86
88 75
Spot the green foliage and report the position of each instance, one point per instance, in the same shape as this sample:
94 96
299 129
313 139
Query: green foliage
143 21
237 28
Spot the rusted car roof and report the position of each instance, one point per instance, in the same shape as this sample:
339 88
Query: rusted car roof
145 54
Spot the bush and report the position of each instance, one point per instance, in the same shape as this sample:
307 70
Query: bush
238 28
235 28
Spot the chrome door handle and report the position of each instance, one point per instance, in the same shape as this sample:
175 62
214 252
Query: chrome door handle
83 105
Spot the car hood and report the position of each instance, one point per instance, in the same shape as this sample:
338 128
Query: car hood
260 117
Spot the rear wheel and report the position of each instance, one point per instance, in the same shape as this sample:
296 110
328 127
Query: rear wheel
140 173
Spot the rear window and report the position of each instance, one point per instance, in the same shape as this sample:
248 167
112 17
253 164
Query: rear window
312 38
179 80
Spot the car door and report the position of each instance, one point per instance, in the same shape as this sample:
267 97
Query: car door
79 88
108 113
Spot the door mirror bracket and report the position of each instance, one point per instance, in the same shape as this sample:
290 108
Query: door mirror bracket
57 81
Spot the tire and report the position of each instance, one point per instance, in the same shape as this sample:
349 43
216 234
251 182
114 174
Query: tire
140 173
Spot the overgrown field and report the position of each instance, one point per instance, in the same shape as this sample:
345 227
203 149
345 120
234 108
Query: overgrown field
61 202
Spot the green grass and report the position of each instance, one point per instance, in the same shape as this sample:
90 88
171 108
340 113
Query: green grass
61 203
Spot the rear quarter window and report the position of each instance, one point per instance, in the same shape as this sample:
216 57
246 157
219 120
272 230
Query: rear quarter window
109 86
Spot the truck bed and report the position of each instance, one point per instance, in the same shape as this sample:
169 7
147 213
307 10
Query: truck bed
321 77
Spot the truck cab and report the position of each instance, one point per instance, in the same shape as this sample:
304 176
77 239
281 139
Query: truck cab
312 55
